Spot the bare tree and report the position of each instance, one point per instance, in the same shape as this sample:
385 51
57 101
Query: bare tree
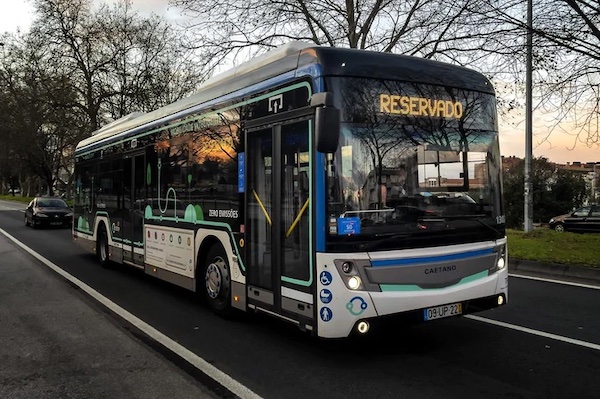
428 28
118 61
76 69
566 61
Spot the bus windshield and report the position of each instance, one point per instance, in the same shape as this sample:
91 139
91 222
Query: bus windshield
417 166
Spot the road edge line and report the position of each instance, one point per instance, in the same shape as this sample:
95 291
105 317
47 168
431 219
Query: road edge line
549 280
531 331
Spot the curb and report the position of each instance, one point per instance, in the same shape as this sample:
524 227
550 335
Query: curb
555 270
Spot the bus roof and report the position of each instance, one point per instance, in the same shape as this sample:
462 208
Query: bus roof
333 61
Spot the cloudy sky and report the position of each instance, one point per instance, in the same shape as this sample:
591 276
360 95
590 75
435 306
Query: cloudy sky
17 14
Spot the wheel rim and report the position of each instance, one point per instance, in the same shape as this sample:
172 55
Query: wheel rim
559 227
217 280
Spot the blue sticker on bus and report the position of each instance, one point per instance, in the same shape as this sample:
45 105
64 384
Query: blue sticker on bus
325 278
241 172
325 295
326 314
348 226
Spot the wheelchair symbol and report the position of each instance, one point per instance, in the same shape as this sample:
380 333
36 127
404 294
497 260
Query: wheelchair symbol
325 278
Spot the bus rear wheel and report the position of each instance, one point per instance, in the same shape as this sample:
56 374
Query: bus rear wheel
217 281
102 246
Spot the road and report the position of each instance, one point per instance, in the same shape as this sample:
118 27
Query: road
544 344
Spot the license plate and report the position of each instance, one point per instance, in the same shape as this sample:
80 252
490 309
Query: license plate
55 223
439 312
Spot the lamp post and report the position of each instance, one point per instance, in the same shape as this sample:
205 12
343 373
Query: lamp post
594 183
528 200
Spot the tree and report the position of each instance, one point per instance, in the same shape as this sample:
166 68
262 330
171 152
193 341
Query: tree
117 61
77 69
555 191
40 135
428 28
566 61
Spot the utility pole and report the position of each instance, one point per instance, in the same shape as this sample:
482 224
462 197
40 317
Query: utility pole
528 227
594 183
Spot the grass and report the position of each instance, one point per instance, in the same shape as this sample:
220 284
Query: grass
26 200
545 245
17 198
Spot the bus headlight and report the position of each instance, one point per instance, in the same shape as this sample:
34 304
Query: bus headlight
350 272
354 282
501 263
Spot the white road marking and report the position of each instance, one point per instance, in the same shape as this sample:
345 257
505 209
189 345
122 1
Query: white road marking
535 332
225 380
548 280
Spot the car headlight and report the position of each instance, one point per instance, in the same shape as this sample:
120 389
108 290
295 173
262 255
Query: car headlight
551 221
69 215
41 215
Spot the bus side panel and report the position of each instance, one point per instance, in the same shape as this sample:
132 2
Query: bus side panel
85 241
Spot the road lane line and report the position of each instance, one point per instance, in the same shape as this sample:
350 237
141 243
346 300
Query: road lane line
548 280
224 379
535 332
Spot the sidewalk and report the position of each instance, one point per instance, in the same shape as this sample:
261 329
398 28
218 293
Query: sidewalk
56 344
579 274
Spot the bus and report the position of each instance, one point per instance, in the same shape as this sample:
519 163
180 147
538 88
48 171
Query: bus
328 187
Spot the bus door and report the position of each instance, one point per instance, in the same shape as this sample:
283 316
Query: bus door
109 201
134 189
278 214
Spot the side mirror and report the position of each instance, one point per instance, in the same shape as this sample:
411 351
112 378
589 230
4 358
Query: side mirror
327 122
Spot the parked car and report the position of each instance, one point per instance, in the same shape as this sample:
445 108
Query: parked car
48 211
584 219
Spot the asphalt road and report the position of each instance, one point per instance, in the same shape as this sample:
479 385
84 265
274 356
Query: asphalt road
544 344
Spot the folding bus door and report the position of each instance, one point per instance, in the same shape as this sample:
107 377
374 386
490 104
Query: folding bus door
278 214
134 192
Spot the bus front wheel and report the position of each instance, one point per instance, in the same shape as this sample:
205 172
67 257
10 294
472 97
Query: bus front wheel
217 281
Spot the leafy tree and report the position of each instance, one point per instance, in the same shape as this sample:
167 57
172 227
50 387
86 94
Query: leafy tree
555 191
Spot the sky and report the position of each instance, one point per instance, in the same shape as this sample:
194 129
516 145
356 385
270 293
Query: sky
18 14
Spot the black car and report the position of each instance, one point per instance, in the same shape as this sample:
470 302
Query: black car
584 219
48 211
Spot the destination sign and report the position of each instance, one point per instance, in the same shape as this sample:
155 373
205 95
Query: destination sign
419 106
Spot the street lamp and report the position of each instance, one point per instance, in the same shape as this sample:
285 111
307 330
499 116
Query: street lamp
528 200
594 182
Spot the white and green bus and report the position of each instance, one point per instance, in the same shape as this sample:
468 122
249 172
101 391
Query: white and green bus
328 187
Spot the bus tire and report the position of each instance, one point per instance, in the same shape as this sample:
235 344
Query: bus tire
102 246
217 281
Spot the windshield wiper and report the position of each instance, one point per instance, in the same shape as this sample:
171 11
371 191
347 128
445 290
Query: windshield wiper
478 219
